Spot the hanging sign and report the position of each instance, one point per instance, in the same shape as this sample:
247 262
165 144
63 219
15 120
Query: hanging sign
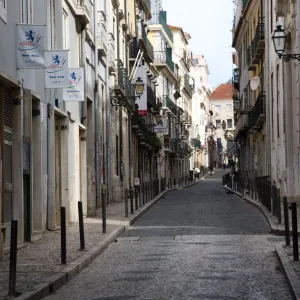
163 126
30 46
56 69
75 91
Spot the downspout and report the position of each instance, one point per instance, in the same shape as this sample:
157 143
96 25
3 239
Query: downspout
96 109
268 98
128 111
108 137
298 26
50 225
84 103
120 108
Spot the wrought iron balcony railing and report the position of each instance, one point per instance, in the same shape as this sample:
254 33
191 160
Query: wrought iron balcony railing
147 44
259 111
151 96
164 58
170 105
257 48
101 39
164 25
196 143
124 84
187 86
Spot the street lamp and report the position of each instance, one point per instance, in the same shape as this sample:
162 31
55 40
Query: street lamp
279 40
118 100
237 104
139 87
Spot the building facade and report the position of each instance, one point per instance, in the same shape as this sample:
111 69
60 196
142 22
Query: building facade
113 141
223 120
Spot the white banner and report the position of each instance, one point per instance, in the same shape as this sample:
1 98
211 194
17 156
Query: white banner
75 91
30 46
163 127
56 69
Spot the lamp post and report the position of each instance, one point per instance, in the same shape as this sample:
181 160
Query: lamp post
131 107
279 40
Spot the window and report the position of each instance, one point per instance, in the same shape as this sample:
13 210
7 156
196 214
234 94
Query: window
25 11
65 29
218 123
228 107
218 109
229 123
3 10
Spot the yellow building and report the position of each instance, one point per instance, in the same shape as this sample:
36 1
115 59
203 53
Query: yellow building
250 90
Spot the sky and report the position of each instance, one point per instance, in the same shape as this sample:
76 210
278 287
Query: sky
209 22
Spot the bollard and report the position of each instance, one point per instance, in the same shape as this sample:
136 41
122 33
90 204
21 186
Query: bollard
279 206
136 198
131 200
126 203
63 236
295 231
103 203
286 222
13 259
81 226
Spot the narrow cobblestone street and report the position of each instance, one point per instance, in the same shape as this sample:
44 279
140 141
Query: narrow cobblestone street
196 243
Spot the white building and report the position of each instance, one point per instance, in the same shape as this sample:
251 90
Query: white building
223 119
201 115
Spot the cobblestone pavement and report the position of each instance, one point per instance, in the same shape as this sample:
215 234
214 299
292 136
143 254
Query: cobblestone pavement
41 259
196 243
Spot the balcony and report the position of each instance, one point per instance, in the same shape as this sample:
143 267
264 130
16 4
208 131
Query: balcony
84 9
243 124
146 5
196 143
163 23
259 111
111 54
236 79
163 58
123 87
187 86
101 40
146 45
151 97
169 105
257 48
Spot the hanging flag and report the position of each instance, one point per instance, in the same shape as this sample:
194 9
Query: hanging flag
30 46
56 69
75 91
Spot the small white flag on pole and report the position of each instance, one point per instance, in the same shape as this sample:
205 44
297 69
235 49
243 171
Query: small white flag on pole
56 69
75 91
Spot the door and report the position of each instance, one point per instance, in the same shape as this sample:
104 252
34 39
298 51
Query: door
7 104
27 207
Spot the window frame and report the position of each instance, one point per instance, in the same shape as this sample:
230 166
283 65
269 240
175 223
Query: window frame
3 10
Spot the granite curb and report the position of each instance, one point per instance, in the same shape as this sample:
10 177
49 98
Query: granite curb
54 282
289 271
275 228
286 264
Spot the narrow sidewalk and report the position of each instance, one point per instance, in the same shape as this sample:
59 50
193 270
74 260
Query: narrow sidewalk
284 253
39 271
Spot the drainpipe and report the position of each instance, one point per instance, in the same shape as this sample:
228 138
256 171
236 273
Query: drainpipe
268 118
120 108
298 27
84 103
50 220
108 137
97 108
